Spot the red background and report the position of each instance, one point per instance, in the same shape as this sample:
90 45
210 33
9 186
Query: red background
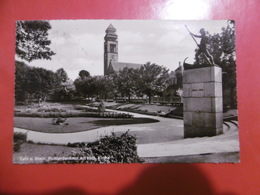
242 178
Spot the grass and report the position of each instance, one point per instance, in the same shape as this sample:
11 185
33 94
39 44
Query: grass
74 124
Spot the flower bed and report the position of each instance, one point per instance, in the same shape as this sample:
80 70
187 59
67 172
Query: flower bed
73 114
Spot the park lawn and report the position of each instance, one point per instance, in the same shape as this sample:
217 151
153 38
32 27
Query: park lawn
74 124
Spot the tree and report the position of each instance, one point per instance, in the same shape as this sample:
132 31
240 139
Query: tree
32 82
152 79
86 86
105 87
32 40
126 81
21 81
62 75
65 91
79 85
84 73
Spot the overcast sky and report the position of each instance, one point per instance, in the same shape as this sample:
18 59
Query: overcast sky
79 44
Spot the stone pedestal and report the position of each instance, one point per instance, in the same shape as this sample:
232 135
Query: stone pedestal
202 102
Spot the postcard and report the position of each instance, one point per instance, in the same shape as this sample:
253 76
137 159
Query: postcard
125 91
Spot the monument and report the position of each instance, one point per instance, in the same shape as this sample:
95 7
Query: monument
202 101
202 97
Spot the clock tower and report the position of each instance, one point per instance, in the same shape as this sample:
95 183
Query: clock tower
110 47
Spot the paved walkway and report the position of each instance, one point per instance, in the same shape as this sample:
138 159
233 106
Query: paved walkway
164 138
227 142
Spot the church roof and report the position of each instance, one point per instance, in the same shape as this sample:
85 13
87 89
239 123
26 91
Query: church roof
121 65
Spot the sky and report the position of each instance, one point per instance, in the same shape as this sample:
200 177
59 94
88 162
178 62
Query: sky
79 44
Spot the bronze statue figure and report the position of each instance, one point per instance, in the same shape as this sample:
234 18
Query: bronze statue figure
202 46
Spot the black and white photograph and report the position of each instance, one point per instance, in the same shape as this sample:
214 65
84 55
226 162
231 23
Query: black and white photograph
125 91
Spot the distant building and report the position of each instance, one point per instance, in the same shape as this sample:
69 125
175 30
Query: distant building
170 94
111 63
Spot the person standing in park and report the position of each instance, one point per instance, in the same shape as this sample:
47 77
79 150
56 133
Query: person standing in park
203 46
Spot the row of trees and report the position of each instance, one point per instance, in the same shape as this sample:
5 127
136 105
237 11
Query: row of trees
151 79
35 83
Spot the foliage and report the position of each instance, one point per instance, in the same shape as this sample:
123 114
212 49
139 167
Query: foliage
62 75
86 86
66 91
32 40
126 81
152 79
99 86
33 81
110 149
105 87
84 73
177 112
18 140
101 107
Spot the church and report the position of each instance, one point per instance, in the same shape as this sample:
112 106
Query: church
111 63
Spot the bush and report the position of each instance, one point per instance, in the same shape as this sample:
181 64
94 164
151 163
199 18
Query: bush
76 145
110 149
101 107
177 112
18 140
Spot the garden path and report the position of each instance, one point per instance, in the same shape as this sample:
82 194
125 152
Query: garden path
164 138
165 130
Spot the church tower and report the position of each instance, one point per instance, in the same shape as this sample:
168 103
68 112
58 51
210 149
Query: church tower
110 47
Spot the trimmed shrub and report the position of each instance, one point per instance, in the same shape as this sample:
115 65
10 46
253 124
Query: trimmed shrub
18 140
101 107
177 112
